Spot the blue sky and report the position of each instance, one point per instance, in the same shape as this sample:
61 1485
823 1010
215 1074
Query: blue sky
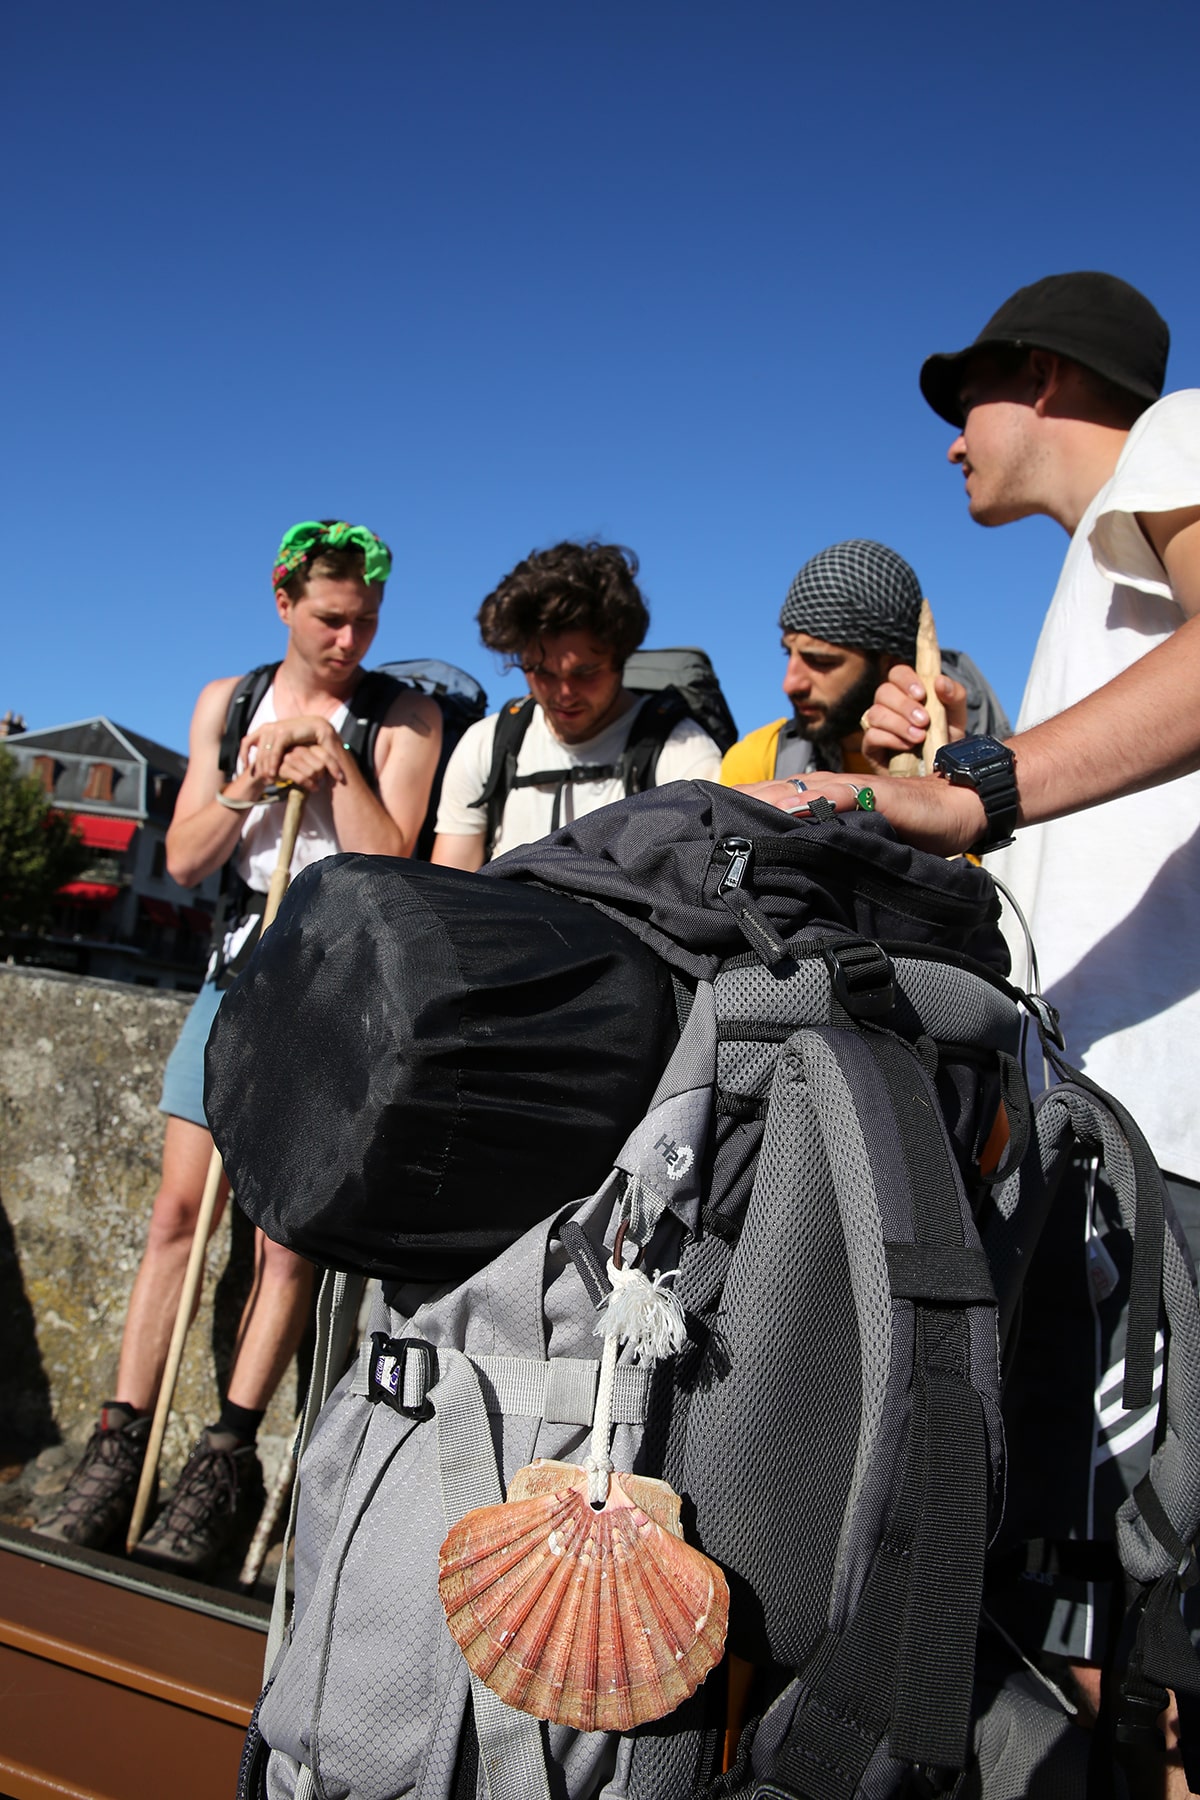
484 276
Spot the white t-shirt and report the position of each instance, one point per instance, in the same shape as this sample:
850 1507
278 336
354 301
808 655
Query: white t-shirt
1113 894
689 754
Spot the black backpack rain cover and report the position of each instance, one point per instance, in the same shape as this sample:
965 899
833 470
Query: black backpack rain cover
418 1064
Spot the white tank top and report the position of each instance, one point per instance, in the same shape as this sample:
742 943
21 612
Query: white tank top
258 847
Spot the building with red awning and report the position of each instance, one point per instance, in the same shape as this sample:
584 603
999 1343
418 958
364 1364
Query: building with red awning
125 918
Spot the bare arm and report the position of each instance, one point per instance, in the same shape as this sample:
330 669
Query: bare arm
1136 732
203 835
454 852
406 759
462 847
308 750
1139 730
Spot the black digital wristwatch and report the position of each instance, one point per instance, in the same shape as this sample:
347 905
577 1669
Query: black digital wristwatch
988 766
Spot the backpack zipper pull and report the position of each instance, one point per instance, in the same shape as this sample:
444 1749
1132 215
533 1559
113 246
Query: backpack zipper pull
739 850
753 924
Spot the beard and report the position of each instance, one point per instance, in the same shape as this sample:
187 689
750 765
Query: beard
843 717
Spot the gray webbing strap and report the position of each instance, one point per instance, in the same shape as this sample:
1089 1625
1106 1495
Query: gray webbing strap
336 1315
305 1787
510 1742
664 1155
562 1391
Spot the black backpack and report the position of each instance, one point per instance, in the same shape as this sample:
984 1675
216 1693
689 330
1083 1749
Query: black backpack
678 684
461 700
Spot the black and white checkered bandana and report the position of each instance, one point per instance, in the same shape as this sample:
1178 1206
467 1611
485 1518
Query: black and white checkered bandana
858 593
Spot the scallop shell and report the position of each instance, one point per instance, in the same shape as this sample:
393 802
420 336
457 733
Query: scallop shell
598 1620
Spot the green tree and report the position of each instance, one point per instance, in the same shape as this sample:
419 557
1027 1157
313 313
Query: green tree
39 851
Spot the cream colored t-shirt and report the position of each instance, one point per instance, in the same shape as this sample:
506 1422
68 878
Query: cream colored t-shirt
689 754
1113 894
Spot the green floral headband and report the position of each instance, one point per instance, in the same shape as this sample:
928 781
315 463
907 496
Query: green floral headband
304 541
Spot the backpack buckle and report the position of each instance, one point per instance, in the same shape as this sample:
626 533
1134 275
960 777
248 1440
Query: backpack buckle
1046 1017
400 1373
863 978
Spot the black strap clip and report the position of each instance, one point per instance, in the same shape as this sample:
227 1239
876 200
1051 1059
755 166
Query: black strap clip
1046 1018
400 1373
863 978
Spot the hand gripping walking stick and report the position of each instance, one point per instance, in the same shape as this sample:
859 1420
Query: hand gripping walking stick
929 667
212 1187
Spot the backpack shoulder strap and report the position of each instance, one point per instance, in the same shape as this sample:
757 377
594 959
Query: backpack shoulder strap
656 719
917 1607
243 704
369 707
512 722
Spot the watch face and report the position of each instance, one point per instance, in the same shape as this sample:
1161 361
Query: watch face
974 752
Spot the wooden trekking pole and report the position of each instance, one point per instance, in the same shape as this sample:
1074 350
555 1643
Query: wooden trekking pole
929 667
194 1272
269 1518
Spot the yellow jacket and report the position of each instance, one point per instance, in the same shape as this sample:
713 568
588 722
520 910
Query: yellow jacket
752 758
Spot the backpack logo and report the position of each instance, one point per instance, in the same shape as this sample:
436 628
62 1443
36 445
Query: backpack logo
387 1374
678 1157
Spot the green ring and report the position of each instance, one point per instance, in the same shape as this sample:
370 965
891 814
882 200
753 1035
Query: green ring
865 800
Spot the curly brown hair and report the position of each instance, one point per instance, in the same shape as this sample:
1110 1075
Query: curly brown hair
570 587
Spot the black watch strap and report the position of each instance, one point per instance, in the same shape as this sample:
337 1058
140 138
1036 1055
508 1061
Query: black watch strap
997 788
990 768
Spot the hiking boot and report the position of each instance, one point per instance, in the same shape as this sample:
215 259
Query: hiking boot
217 1499
97 1502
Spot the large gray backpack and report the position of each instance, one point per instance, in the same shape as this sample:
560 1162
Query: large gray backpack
816 1166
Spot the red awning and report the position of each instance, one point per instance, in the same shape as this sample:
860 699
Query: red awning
104 833
160 912
196 918
99 892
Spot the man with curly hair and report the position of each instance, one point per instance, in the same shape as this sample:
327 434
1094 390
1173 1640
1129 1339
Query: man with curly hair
568 618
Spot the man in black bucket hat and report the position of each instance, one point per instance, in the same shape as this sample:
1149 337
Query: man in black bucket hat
1098 321
1057 410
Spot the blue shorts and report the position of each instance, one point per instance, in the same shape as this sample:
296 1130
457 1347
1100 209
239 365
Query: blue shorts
183 1077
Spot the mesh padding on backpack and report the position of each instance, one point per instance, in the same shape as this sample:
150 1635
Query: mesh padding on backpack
675 1755
1027 1745
746 1069
951 1004
750 994
770 1499
957 1006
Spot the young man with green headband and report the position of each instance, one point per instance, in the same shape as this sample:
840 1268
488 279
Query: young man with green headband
328 581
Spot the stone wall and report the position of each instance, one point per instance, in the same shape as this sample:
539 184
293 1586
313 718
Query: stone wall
80 1141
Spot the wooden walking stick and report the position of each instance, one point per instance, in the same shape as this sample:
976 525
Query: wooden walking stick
204 1218
271 1513
929 667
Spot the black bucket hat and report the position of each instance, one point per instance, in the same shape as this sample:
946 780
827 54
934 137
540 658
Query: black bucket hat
1095 319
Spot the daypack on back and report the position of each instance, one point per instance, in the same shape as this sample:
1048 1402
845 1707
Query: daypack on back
461 701
814 1164
679 684
690 673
